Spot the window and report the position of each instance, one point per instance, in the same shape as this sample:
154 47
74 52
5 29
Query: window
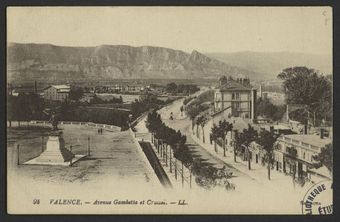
304 155
314 147
296 141
305 144
233 96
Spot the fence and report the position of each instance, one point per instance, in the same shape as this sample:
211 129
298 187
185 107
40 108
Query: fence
165 155
176 167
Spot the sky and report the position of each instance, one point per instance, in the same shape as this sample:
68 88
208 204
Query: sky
205 29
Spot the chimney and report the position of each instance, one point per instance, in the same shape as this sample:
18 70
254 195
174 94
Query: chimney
321 133
306 129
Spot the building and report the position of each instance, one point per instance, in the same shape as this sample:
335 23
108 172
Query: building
57 92
296 153
235 98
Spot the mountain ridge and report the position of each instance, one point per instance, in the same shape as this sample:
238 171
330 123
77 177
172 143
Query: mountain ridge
46 61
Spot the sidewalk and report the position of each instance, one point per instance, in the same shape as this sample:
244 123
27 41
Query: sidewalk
257 172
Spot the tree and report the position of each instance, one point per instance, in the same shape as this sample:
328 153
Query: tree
265 108
214 135
201 121
306 86
244 139
192 112
267 140
235 145
326 157
209 177
10 109
23 108
76 93
171 87
223 128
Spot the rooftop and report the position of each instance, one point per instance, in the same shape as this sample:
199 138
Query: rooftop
233 85
321 171
61 86
281 127
311 139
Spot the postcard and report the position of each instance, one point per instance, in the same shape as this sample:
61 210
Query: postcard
169 110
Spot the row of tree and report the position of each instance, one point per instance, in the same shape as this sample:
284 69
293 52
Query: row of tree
181 88
205 176
24 107
98 100
168 137
242 141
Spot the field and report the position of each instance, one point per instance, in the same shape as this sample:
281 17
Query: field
113 154
126 98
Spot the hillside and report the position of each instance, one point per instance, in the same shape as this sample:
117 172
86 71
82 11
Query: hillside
106 62
271 63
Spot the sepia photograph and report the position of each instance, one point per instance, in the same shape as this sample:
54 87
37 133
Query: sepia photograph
169 110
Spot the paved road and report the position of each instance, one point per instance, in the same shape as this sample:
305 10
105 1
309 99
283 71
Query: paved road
183 123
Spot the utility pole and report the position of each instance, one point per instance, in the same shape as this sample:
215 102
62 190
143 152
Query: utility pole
190 176
175 168
170 160
88 146
166 155
42 144
18 151
182 174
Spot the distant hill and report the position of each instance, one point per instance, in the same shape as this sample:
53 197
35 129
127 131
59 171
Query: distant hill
271 63
107 62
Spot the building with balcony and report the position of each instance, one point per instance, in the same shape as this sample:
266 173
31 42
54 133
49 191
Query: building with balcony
295 154
235 98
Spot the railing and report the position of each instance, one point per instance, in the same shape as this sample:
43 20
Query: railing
176 167
42 122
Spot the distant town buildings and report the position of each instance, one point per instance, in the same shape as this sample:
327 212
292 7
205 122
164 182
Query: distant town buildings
235 98
57 92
